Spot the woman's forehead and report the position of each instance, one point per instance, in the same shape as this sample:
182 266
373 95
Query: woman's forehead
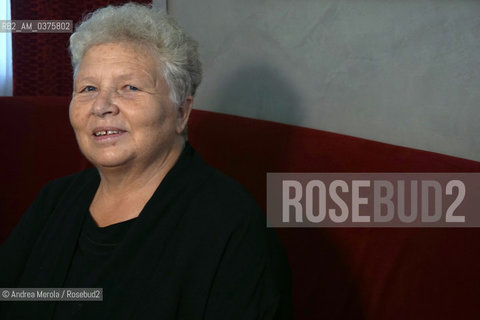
122 60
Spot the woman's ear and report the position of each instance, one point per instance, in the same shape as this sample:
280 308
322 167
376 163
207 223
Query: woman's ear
183 113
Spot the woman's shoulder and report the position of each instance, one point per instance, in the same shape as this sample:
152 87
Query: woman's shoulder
223 189
222 202
208 187
78 177
59 187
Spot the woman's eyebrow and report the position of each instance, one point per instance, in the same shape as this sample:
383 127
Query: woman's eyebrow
85 79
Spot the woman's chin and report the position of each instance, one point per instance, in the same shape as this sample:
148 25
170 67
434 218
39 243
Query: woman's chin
111 162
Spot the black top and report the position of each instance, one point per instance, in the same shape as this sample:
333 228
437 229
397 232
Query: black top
198 250
94 246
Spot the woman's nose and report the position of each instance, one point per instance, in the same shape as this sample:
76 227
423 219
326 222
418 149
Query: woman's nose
104 104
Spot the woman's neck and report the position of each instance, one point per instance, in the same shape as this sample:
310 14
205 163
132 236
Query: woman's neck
123 192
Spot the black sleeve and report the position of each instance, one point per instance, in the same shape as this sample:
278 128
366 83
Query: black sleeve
253 278
16 249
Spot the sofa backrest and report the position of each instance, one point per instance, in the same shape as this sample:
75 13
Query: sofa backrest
341 273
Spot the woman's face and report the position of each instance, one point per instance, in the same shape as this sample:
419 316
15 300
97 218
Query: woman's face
120 109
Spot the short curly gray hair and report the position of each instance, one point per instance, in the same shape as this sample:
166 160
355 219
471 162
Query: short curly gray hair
133 22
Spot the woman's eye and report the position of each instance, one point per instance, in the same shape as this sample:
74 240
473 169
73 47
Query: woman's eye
132 88
89 89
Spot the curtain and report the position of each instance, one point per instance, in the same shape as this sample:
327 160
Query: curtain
6 78
41 62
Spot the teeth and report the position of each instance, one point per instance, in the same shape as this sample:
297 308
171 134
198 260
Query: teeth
103 133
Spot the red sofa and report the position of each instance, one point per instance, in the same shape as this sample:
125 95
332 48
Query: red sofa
341 273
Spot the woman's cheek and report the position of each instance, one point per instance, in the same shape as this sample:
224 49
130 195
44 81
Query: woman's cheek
77 119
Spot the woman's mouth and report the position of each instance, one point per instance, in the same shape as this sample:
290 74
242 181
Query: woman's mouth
107 134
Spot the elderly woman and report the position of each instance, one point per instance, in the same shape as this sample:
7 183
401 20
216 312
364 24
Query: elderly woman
165 235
